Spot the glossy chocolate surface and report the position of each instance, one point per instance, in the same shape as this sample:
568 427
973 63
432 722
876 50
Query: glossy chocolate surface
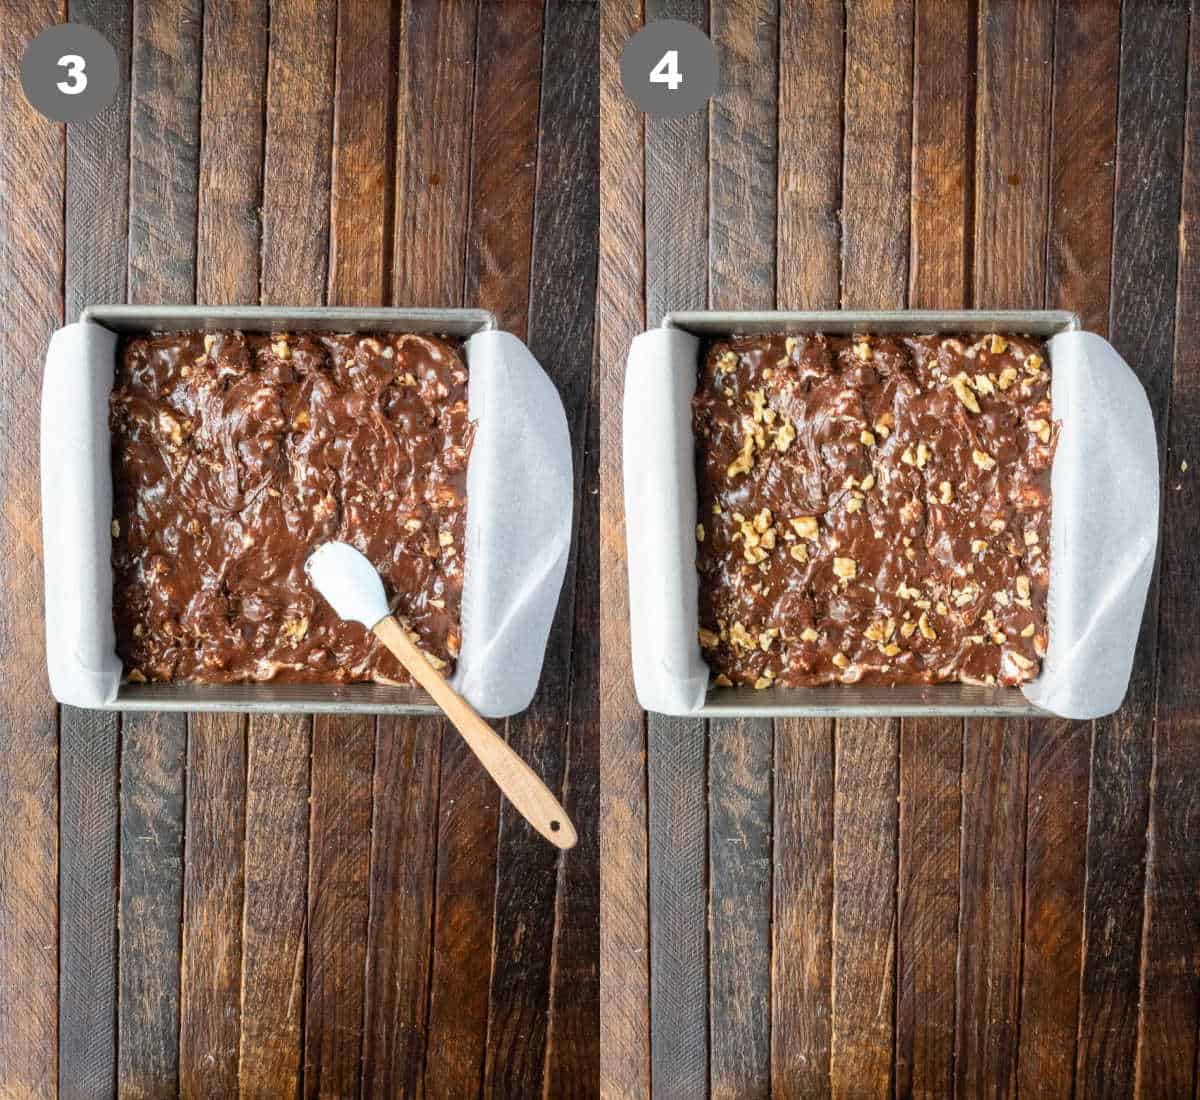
236 455
873 509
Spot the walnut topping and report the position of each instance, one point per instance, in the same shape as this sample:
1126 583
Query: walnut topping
866 438
282 349
1028 631
945 492
785 435
116 529
1007 377
1031 538
983 385
301 421
846 568
982 459
1023 587
1020 660
808 634
727 362
926 630
999 345
445 538
1040 428
884 424
296 629
744 462
799 551
867 483
840 660
699 532
962 389
708 638
862 351
805 526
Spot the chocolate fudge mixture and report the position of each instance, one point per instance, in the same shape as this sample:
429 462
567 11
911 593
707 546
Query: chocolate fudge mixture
235 456
873 509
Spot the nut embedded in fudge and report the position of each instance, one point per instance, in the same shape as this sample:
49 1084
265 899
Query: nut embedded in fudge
236 455
873 509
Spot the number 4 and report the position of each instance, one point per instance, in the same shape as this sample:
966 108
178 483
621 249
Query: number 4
667 71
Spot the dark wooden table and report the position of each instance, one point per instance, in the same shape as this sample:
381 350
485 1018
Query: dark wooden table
326 906
923 908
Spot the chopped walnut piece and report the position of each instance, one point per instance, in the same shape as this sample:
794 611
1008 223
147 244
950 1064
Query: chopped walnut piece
884 424
866 438
962 390
846 568
808 634
1007 377
867 483
999 345
798 551
699 532
1023 587
945 492
862 351
805 526
840 660
926 630
708 638
1028 631
982 459
785 436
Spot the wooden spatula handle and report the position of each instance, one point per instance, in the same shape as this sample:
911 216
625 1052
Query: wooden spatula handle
518 781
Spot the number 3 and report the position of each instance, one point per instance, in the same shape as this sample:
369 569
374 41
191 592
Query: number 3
76 68
667 71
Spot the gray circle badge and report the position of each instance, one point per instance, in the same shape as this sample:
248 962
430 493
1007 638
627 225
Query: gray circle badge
669 68
69 73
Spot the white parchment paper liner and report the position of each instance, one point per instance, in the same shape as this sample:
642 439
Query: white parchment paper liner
519 504
1104 525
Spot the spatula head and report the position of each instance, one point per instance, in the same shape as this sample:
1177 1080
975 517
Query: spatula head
349 582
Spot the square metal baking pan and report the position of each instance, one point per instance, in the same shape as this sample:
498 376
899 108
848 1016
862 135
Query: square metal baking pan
852 700
268 698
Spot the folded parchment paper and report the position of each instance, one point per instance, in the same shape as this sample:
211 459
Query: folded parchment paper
519 502
1104 525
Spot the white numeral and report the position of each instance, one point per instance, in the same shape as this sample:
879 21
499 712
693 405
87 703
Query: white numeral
76 68
667 71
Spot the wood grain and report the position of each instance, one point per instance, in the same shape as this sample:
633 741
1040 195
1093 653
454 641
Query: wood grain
210 990
163 194
678 820
339 855
808 276
927 895
504 160
742 260
802 910
573 1030
433 151
1079 238
878 121
809 201
677 178
624 924
299 132
274 916
1170 962
1142 317
94 265
562 296
153 755
995 763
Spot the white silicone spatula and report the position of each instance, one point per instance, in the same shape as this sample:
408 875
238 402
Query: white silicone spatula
352 586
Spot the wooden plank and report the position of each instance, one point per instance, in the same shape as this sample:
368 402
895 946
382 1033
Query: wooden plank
153 752
339 854
675 763
1152 95
274 917
163 181
1079 241
1170 964
562 305
995 757
403 859
1083 158
432 170
878 132
810 155
292 270
211 966
879 51
1056 833
931 749
808 275
504 160
675 208
360 246
227 249
742 223
299 131
927 904
740 875
433 151
1008 268
32 156
864 884
573 1034
624 924
231 152
802 913
95 258
676 168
